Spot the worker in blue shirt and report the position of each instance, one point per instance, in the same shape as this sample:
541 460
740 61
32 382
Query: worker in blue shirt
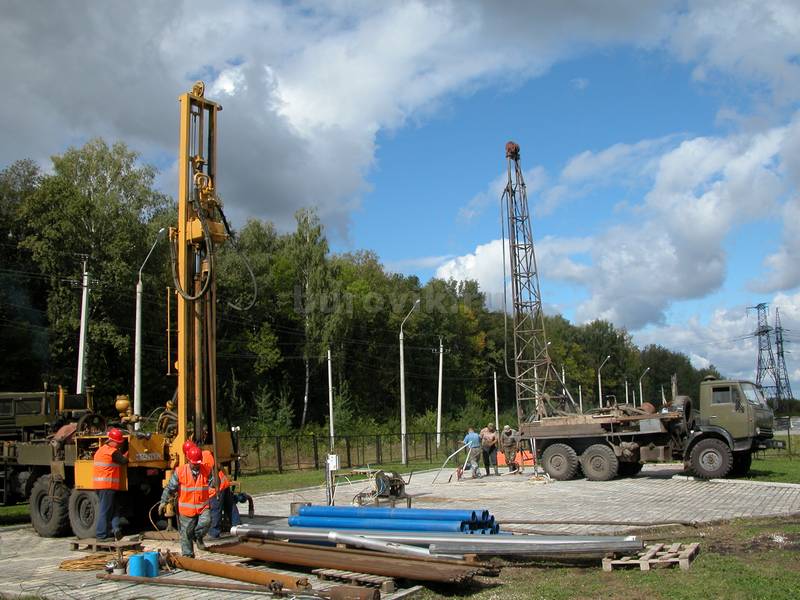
473 442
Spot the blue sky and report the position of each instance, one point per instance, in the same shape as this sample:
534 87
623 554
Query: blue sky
660 140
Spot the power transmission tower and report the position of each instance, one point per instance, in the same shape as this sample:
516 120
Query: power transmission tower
781 374
534 372
765 365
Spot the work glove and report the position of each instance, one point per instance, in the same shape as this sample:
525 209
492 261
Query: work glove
162 508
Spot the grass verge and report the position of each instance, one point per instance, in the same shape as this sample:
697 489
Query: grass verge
739 560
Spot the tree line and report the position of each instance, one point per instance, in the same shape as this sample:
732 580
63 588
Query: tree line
99 203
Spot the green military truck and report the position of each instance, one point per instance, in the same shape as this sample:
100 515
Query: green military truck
715 438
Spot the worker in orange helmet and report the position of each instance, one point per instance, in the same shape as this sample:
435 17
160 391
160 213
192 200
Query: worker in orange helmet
192 482
109 461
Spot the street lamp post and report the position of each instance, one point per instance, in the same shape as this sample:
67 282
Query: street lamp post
403 450
641 398
137 361
600 380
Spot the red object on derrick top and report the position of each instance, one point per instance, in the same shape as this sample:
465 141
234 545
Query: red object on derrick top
512 150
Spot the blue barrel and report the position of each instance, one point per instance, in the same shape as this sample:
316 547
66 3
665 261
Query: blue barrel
424 514
385 524
151 562
136 566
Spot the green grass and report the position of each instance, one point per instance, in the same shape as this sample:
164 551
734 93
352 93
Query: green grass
740 560
773 467
290 480
14 514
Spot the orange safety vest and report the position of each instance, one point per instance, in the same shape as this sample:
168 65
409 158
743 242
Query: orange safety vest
106 473
193 493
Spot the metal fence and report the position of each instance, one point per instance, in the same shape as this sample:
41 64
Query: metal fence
281 453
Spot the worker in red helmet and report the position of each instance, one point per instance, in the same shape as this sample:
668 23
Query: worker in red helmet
192 482
109 462
186 445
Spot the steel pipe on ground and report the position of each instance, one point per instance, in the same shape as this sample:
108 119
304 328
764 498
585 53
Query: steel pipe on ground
424 514
245 574
423 538
340 592
537 548
391 524
402 567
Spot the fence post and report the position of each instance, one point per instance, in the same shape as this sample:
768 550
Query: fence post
347 445
316 450
278 455
258 453
378 454
427 447
297 450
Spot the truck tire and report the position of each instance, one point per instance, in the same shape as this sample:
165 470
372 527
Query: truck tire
49 515
84 508
599 463
560 462
741 463
629 469
711 459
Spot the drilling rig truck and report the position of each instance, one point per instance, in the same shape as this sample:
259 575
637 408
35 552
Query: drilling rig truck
715 438
48 450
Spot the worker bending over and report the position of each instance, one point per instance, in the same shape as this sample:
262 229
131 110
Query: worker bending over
109 460
193 484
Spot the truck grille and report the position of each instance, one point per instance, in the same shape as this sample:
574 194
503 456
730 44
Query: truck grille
765 432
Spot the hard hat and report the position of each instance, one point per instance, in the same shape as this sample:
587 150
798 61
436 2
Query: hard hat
187 445
506 427
194 455
115 435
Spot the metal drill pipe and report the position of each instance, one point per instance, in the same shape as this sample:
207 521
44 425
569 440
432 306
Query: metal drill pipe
422 538
246 574
340 592
192 583
415 569
601 548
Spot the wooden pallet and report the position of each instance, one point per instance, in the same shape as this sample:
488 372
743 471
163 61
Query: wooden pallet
657 556
93 545
385 584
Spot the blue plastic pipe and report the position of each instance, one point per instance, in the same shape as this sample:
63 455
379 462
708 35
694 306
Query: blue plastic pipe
471 516
385 524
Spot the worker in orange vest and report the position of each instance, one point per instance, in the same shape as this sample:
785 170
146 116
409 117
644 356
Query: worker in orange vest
109 460
192 482
223 502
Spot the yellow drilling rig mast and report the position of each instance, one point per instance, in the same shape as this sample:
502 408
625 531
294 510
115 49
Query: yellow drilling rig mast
54 469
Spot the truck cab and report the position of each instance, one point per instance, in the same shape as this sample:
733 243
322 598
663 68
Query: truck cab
737 410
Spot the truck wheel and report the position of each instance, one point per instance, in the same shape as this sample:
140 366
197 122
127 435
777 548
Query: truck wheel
599 463
711 459
49 514
84 508
629 469
741 463
560 462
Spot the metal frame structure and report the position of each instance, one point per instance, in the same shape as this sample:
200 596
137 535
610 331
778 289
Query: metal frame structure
534 372
200 227
781 374
765 364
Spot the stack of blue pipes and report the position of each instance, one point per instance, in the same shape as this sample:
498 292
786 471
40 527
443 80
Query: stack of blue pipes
478 522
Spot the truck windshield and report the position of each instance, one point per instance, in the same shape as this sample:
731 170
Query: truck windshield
753 394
